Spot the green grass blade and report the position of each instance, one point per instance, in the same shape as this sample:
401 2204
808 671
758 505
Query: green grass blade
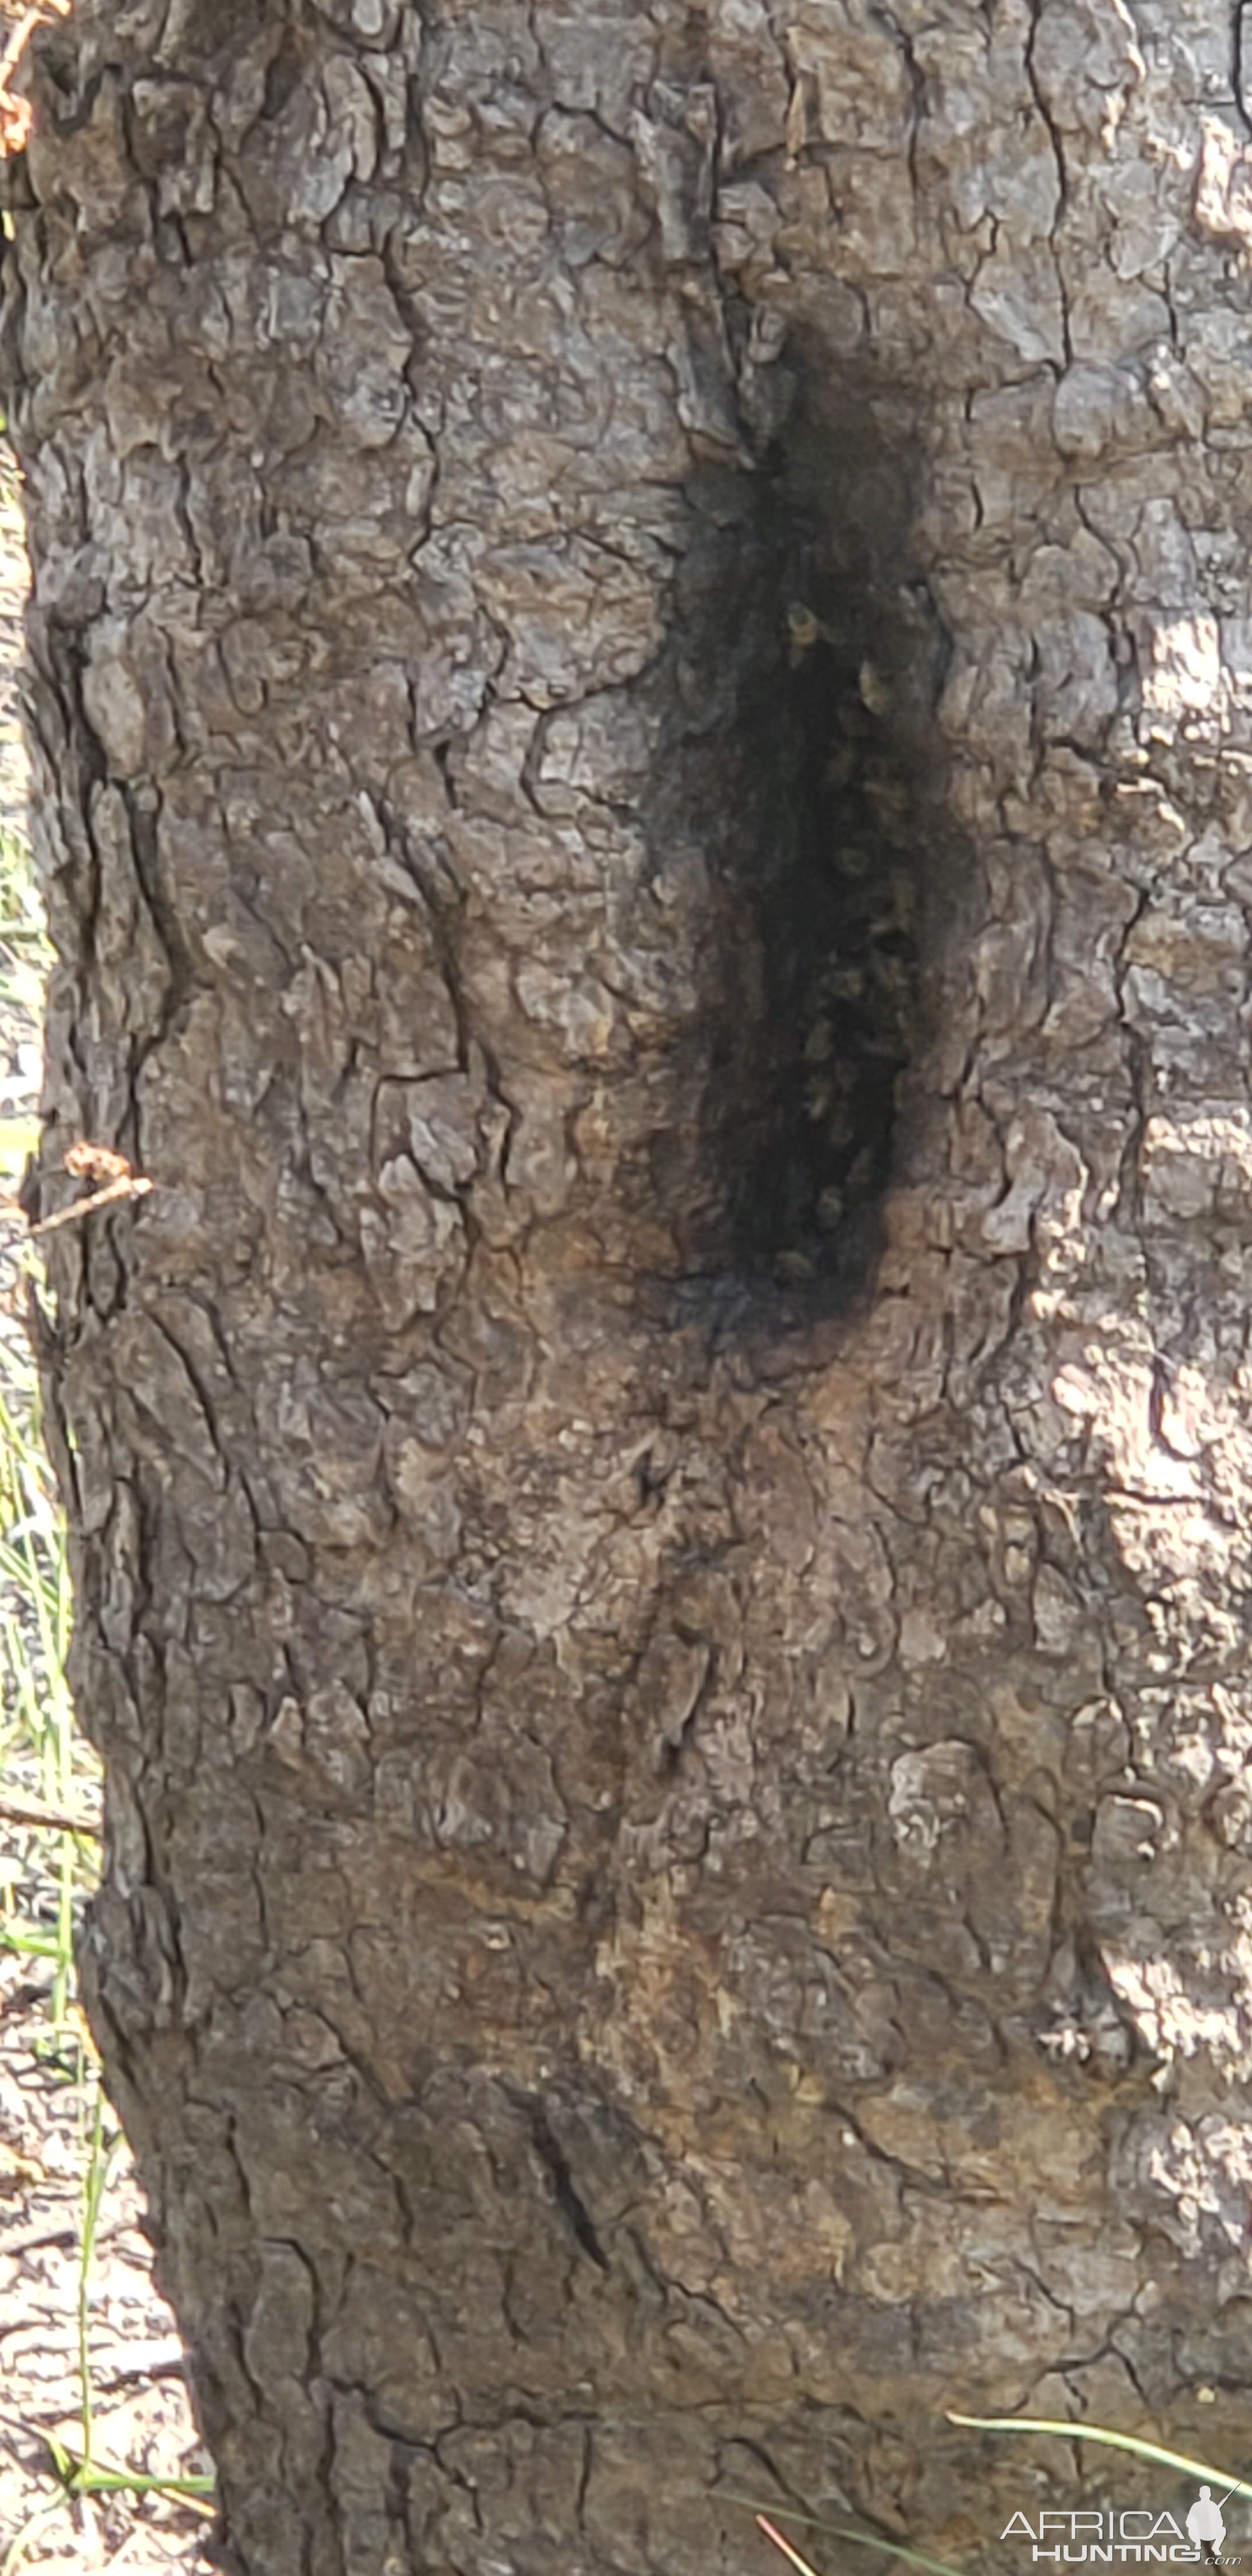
93 2193
864 2538
1154 2451
30 1945
85 2477
90 2481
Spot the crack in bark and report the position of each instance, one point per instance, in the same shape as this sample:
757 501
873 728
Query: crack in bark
565 2194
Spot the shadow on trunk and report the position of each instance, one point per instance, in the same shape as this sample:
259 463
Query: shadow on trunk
801 755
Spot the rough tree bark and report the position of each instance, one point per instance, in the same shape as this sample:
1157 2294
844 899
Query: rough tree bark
642 688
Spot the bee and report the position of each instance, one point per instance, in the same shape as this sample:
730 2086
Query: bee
804 630
794 1268
875 691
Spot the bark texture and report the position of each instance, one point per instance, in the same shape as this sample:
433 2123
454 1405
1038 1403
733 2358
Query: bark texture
643 704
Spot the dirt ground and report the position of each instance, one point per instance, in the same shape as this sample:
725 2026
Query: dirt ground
142 2417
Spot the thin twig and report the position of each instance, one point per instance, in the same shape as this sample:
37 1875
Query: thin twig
132 1186
32 1811
23 2240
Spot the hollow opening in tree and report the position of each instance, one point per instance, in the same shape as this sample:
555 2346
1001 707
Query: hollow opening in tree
816 768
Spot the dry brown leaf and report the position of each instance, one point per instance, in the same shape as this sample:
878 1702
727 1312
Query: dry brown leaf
98 1163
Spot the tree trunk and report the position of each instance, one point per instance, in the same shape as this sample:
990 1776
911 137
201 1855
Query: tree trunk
642 699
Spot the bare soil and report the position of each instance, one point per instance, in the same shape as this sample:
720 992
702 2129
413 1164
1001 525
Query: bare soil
142 2418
